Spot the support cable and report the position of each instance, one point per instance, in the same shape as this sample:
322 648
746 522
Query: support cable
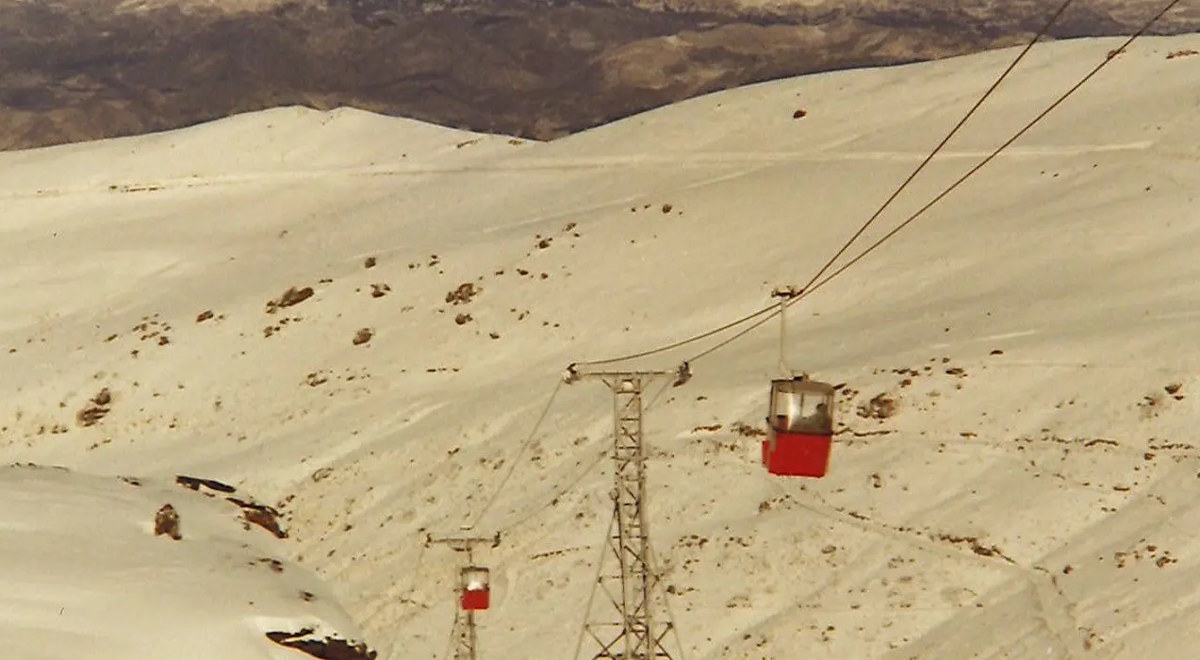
996 152
667 604
936 150
592 594
516 459
450 640
682 342
600 456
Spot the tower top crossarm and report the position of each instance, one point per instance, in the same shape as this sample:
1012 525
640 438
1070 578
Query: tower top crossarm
463 543
574 372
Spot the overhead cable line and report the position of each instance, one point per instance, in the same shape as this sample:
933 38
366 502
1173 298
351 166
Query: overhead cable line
525 445
936 150
596 461
772 308
682 342
516 459
1025 129
592 594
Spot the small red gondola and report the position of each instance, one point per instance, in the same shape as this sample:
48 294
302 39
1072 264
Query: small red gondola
475 591
800 428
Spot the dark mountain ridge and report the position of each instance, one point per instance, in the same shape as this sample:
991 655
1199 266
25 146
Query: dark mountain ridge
74 70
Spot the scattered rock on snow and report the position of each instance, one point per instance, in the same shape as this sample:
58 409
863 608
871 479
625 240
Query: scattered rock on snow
322 473
463 294
261 515
292 296
166 521
330 648
315 378
195 483
745 430
97 408
275 565
880 406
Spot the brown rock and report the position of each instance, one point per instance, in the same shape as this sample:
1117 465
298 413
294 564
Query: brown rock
362 336
331 648
261 515
292 296
166 521
194 483
463 294
880 406
97 408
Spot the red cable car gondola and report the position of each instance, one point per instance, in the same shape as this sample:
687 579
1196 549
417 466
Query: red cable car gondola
799 428
799 414
475 592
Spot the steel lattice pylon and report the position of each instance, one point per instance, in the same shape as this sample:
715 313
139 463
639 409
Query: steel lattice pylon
465 641
641 625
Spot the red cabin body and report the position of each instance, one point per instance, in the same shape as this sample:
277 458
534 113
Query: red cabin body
475 592
799 428
476 600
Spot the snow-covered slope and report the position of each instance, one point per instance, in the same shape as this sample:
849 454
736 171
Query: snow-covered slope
1032 495
86 576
